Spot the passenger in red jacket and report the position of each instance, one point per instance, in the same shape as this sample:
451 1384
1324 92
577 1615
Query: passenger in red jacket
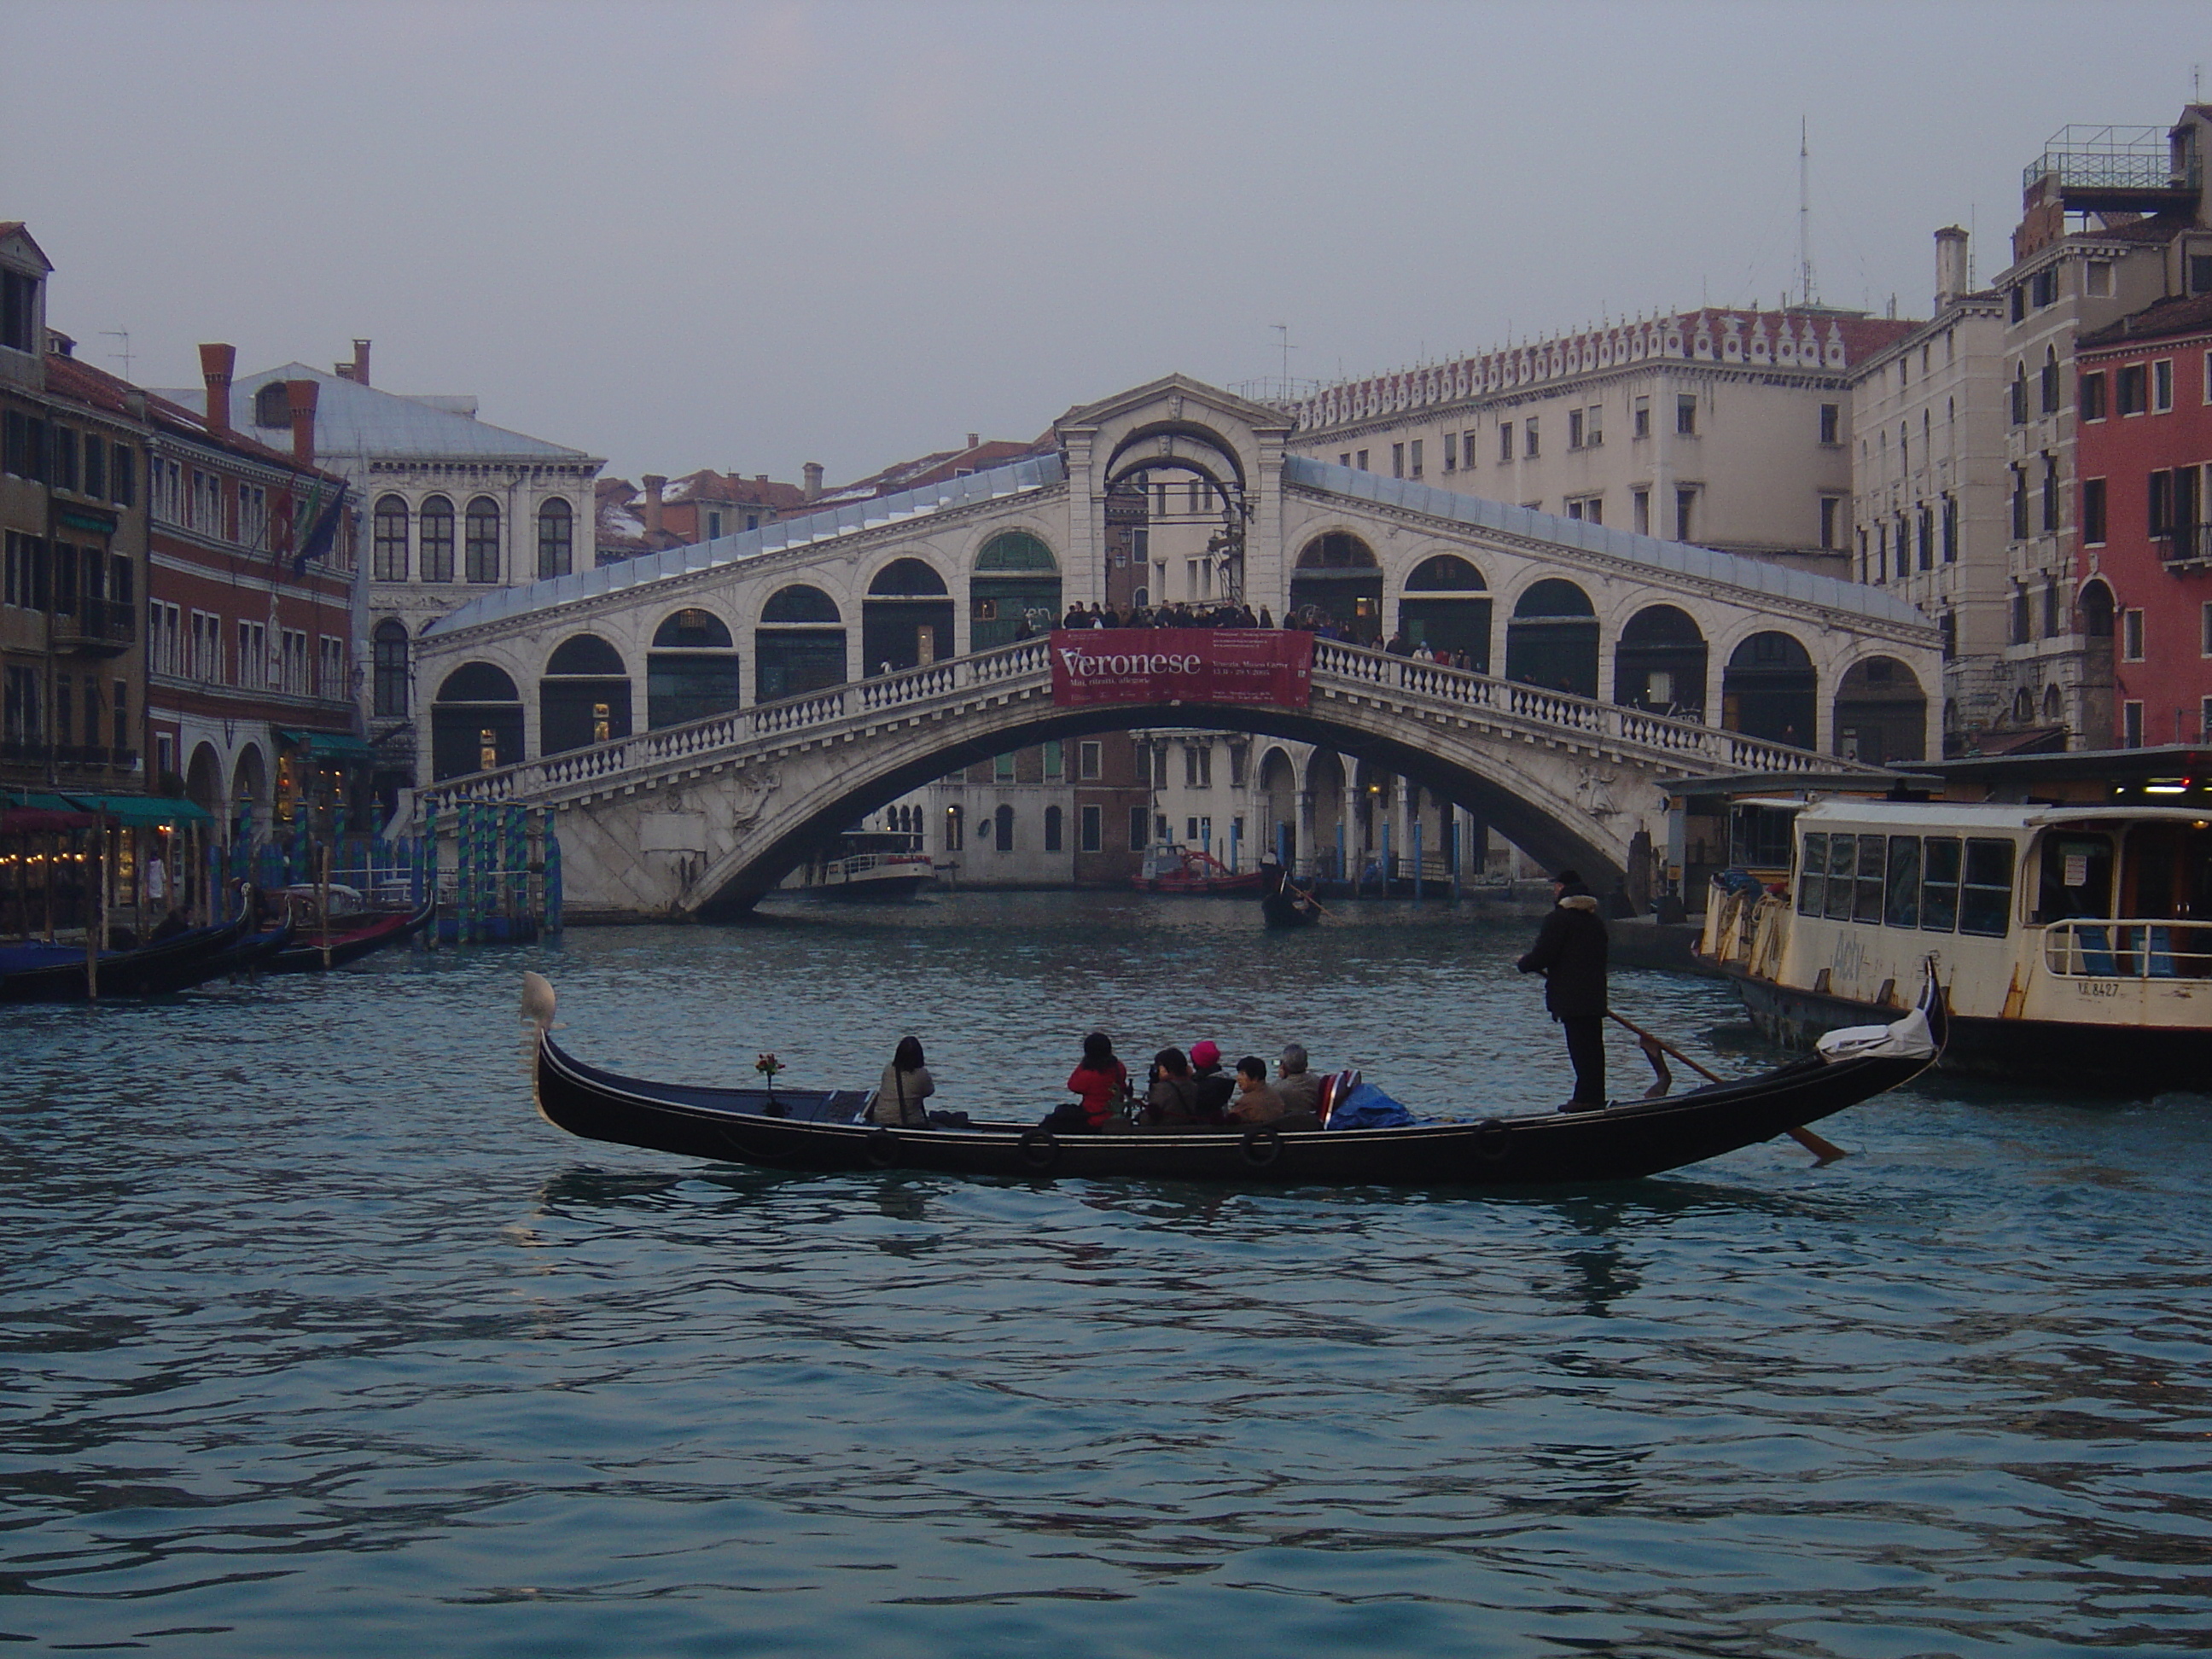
1101 1080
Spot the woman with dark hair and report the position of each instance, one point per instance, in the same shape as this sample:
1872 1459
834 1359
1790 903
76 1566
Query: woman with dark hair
1171 1101
907 1083
1101 1081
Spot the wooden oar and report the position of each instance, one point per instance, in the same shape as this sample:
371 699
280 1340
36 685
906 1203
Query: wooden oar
1306 897
1827 1150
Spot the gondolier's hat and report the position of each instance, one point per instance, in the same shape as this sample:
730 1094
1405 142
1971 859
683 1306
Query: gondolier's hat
1571 880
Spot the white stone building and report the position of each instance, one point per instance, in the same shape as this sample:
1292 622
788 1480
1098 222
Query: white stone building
446 507
1723 427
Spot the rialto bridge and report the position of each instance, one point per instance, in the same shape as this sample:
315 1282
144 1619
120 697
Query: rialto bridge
799 677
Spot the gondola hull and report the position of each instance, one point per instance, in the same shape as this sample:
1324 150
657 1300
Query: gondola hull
815 1132
313 956
58 975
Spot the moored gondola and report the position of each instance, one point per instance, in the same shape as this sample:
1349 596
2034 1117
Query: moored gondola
47 973
314 952
824 1130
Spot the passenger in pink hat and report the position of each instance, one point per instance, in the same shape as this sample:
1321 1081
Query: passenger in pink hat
1215 1087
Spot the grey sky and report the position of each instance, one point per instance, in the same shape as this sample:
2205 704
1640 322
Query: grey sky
685 235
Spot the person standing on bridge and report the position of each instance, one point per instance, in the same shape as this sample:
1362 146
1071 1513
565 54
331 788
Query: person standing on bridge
1571 953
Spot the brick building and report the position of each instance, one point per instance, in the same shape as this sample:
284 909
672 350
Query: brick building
250 682
2143 550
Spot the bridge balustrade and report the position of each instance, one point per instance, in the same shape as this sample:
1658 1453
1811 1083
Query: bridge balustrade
1027 662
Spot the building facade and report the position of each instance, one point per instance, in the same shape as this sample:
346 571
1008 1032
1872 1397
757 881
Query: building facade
448 508
1929 502
2143 558
251 679
2114 220
72 508
1727 428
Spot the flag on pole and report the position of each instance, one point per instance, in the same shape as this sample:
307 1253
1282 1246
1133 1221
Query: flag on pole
322 528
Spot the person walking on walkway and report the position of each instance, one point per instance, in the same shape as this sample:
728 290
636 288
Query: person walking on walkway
1569 952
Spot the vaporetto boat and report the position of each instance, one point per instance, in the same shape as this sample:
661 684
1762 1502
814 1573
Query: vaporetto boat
2073 942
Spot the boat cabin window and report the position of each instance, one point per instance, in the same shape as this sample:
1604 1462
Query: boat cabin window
1758 836
2167 871
2077 877
1812 875
1939 883
1985 894
1843 865
1866 893
1901 907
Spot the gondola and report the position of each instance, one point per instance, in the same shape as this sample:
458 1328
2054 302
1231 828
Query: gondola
312 954
1282 903
822 1130
56 973
246 957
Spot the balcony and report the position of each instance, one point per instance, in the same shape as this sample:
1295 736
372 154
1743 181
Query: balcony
99 628
2184 547
2113 169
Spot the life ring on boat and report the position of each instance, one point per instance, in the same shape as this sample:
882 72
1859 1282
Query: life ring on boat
882 1148
1492 1139
1260 1146
1039 1149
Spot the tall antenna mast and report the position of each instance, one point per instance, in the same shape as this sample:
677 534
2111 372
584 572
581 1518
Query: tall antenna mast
123 334
1804 214
1284 329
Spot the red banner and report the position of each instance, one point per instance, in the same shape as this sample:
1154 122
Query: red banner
1093 665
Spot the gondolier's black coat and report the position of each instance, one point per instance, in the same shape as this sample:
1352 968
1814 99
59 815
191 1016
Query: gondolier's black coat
1570 952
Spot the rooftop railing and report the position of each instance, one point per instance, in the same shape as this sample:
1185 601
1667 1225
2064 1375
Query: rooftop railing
2107 158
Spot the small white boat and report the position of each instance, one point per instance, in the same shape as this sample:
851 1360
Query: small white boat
2072 941
867 863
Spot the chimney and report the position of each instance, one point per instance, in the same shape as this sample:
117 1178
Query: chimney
1950 264
655 483
299 396
812 472
360 376
217 364
974 438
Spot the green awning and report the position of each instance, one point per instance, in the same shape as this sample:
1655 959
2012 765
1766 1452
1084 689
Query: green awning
141 811
330 745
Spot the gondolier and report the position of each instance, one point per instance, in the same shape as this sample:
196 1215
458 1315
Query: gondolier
1569 952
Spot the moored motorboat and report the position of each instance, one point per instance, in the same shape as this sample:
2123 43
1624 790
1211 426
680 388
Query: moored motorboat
2075 942
827 1129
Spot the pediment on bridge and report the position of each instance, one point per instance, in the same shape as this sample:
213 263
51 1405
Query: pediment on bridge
1175 397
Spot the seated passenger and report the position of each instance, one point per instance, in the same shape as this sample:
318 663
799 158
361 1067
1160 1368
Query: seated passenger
1299 1088
1171 1101
1103 1083
905 1084
1216 1088
1255 1102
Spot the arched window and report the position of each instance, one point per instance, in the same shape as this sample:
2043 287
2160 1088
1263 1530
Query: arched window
1882 714
1006 823
906 621
1552 641
1446 608
2050 379
800 603
1051 829
1768 690
1017 582
692 630
482 547
907 578
557 537
476 722
584 697
1447 573
692 672
1660 664
585 653
391 556
437 540
388 654
1337 579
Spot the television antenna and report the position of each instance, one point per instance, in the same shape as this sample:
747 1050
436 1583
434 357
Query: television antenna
1804 214
123 334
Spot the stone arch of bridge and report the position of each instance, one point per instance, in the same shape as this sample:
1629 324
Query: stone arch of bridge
1481 773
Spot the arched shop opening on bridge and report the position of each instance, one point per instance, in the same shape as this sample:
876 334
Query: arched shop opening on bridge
799 645
1016 580
906 621
1660 663
1337 575
1881 712
584 696
1552 641
692 672
476 722
1446 607
1770 691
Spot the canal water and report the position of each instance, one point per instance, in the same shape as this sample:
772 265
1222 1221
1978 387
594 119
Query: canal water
318 1341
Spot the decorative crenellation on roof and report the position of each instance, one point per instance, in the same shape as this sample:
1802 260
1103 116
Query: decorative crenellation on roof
1826 342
